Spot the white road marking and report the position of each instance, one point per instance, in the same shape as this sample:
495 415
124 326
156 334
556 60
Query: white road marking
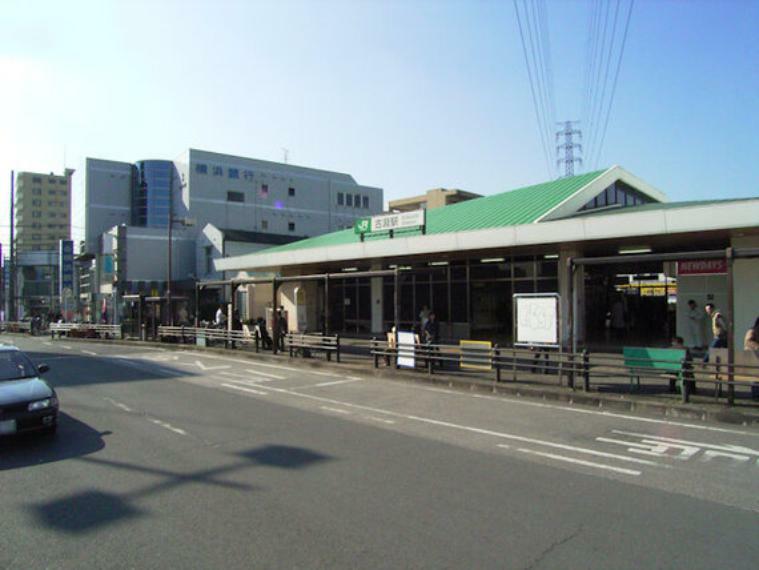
336 410
655 448
581 462
205 368
248 362
66 347
578 410
267 374
322 384
583 450
383 420
89 352
249 390
119 405
245 376
727 448
453 426
48 343
168 426
318 373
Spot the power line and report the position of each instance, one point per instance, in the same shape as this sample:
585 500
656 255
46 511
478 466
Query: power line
616 78
597 74
532 90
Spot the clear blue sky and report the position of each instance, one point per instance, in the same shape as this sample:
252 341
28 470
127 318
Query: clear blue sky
403 95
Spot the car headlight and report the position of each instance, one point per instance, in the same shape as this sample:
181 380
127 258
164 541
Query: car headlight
43 404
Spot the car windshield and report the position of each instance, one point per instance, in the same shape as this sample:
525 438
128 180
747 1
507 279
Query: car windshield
14 365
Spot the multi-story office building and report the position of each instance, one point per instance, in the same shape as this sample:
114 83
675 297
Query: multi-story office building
42 210
236 205
435 198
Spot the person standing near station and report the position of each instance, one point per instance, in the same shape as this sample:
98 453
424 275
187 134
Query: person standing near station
719 329
751 340
424 316
695 326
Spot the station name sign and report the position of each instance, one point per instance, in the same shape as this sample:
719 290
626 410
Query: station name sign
390 222
702 267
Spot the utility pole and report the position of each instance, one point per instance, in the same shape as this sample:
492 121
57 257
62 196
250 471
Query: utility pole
12 260
568 147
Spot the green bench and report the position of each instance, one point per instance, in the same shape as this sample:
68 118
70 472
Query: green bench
667 362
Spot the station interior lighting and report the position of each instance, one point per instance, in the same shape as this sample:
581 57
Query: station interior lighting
492 260
634 250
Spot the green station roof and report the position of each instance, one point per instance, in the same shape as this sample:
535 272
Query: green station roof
521 206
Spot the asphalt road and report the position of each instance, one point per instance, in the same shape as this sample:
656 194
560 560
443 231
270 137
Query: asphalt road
178 459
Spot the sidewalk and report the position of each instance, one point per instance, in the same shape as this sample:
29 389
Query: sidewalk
610 395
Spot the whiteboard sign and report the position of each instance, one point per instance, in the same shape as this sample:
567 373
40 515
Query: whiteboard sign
406 345
536 319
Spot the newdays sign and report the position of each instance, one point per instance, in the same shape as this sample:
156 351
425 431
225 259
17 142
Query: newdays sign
387 222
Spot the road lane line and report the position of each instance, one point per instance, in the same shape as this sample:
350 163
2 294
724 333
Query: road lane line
245 377
585 450
241 389
376 419
119 405
168 426
89 352
580 462
322 384
337 410
267 374
248 362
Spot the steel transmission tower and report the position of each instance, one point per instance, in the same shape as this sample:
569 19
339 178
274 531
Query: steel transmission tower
569 146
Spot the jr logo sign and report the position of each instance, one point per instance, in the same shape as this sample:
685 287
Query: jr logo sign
362 226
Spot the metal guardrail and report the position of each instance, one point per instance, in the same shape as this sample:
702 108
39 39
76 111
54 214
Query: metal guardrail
85 330
200 335
306 343
570 367
15 326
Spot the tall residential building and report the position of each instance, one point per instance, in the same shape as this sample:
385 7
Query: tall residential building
42 210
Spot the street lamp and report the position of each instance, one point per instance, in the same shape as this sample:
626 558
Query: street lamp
186 222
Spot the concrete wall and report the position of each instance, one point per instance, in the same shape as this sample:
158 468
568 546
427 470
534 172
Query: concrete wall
108 198
147 254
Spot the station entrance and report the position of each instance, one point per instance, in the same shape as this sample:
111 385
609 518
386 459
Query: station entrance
630 304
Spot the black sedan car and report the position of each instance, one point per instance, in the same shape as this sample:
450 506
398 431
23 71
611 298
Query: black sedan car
27 402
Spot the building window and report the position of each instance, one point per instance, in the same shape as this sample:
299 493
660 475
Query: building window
235 197
51 192
234 173
365 202
291 191
37 180
264 224
357 201
349 199
37 214
201 168
63 182
264 191
247 174
340 199
291 226
209 259
217 171
36 202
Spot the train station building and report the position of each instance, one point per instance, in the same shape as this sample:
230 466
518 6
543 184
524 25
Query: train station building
623 259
